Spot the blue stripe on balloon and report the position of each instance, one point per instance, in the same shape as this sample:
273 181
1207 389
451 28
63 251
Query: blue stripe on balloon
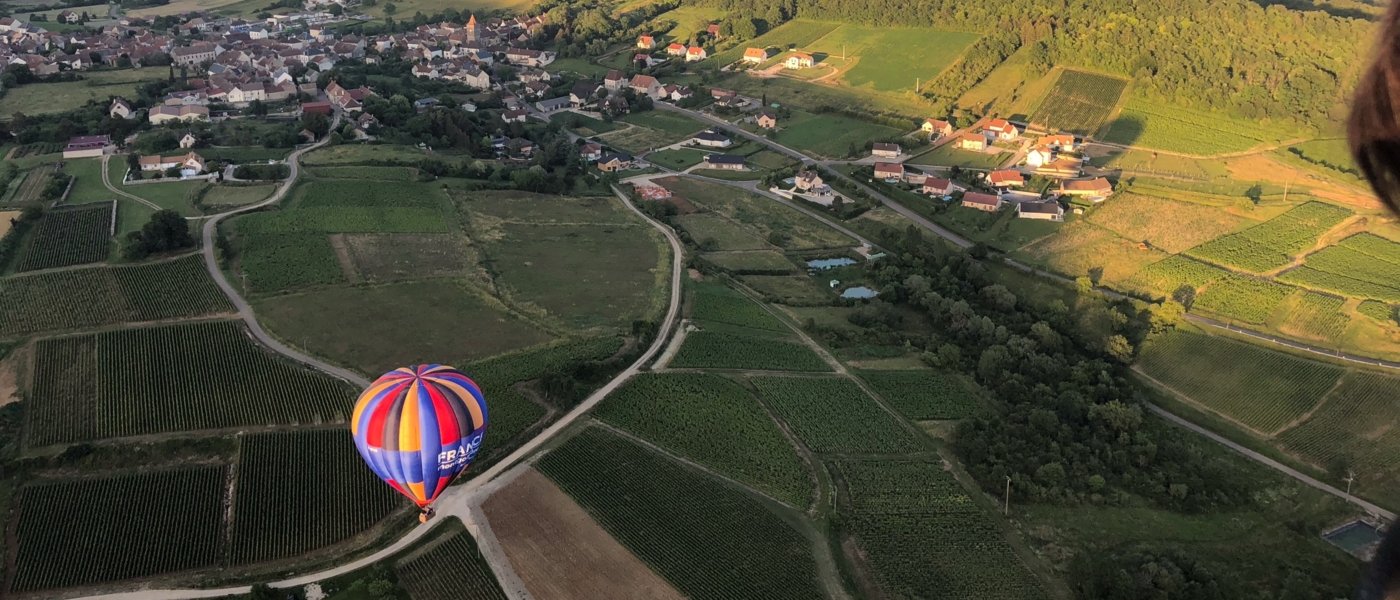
432 440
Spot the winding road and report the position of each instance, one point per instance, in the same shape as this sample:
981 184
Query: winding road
460 500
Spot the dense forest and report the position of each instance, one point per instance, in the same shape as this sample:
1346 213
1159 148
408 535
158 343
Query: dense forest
1230 55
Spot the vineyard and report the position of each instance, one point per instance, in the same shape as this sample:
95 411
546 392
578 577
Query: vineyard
62 405
719 348
69 236
833 416
277 262
715 422
97 530
1080 102
1168 274
454 569
926 394
105 295
1353 429
728 546
346 219
334 193
1273 243
1259 388
1243 298
299 491
1316 315
924 537
721 304
36 149
31 188
1183 129
1379 311
1361 266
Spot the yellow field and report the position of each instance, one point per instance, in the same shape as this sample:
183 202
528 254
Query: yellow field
1166 224
5 216
1080 247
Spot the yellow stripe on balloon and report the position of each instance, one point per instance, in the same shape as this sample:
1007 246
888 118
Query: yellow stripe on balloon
462 392
363 401
418 492
409 440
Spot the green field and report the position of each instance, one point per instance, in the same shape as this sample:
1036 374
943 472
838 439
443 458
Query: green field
632 493
450 570
1273 243
361 193
715 232
220 196
926 394
1258 388
348 219
300 491
87 181
447 320
882 55
208 375
763 262
678 159
1361 266
90 297
1314 316
718 303
673 123
797 33
1080 102
109 528
831 135
1176 128
784 227
834 416
948 156
923 536
48 98
381 258
715 422
1351 430
278 262
1247 299
70 236
727 347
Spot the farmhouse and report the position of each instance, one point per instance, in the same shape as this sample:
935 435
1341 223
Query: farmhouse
810 181
529 57
885 150
614 80
615 161
755 55
348 100
85 146
713 30
514 115
552 104
695 53
583 93
799 60
120 109
982 202
1001 130
590 152
1039 156
674 49
767 119
1096 189
1060 142
889 171
935 186
936 128
188 141
646 42
1048 210
1005 178
970 141
711 138
645 84
166 113
318 108
189 163
728 162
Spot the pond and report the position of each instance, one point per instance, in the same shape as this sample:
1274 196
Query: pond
859 292
1358 538
822 264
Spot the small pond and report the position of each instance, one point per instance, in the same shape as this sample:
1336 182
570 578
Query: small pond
1358 538
859 292
822 264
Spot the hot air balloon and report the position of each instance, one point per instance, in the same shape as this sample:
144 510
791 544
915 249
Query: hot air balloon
418 428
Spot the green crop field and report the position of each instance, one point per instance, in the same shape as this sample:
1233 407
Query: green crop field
514 206
926 394
632 493
831 135
882 54
1189 130
453 569
1080 102
1243 298
587 275
1379 311
66 237
1172 272
299 491
1273 243
29 189
346 219
1352 430
638 139
792 290
277 262
448 319
785 227
95 530
1361 266
834 416
669 122
96 296
1256 387
718 233
721 304
721 347
924 537
335 192
1314 315
715 422
208 375
762 262
365 172
219 197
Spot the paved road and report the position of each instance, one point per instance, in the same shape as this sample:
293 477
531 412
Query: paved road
1278 466
1319 350
458 501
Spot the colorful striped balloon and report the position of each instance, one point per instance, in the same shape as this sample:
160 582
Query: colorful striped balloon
419 427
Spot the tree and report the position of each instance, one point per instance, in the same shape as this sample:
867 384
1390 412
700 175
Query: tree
316 123
133 163
336 9
165 232
390 8
257 107
1165 316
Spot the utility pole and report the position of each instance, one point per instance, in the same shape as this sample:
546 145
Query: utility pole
1285 191
1351 476
916 85
1006 508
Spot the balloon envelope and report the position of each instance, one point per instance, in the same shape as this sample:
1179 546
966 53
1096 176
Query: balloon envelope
419 427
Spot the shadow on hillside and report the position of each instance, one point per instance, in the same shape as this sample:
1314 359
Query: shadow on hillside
1123 130
1325 7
